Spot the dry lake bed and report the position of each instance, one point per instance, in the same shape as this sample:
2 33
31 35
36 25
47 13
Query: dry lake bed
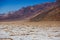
29 30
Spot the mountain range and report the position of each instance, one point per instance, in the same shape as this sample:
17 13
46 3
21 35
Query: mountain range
40 12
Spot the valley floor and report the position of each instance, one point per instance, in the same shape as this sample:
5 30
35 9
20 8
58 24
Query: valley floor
18 30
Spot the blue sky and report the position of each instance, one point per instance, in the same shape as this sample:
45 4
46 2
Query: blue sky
13 5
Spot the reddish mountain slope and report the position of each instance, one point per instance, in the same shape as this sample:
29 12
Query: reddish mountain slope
51 15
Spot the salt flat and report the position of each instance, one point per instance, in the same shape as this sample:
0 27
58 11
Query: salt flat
30 30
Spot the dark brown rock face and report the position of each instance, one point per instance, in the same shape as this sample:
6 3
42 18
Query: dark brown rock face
58 1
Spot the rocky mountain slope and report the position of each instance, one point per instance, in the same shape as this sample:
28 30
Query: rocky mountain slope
52 14
45 12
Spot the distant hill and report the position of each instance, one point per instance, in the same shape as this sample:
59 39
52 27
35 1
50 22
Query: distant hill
39 12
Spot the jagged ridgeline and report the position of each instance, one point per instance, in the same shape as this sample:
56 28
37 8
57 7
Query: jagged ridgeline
39 12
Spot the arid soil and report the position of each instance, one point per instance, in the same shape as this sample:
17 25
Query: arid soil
18 30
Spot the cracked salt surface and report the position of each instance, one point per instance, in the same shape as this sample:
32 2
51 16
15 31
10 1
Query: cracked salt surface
23 32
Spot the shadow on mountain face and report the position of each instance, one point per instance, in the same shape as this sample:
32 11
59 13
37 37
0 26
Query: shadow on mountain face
42 12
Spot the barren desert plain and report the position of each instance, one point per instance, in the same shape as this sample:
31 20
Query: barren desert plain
23 30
